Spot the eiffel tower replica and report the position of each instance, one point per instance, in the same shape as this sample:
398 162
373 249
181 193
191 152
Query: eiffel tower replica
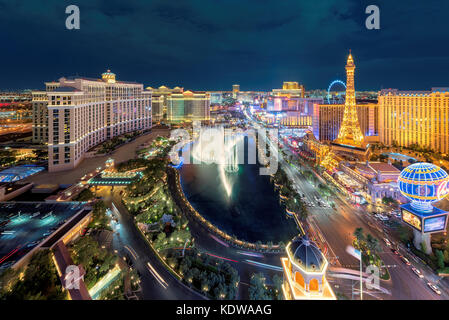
350 143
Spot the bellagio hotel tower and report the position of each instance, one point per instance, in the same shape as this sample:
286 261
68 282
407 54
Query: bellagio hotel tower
75 114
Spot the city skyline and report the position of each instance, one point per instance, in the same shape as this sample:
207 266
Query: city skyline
211 47
224 150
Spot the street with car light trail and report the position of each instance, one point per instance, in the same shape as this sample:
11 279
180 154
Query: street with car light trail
337 227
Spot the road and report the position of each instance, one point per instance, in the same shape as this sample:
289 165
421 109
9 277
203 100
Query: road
156 281
337 227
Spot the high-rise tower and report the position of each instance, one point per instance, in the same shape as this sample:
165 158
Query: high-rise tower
350 133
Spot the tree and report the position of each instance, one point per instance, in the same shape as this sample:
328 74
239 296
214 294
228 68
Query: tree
358 233
99 214
388 200
446 256
39 280
372 243
281 245
277 281
423 247
440 258
257 288
84 195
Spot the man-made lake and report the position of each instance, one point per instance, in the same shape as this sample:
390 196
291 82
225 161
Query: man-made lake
243 203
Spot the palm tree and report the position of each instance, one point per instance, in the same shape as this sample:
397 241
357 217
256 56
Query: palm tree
358 233
372 243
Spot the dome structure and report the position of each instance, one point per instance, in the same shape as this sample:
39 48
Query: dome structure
108 76
306 255
423 183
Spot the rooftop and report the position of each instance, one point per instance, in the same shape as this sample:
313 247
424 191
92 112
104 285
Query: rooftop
306 254
382 167
25 225
18 173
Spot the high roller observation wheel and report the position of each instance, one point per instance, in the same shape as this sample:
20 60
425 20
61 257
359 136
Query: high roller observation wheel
330 87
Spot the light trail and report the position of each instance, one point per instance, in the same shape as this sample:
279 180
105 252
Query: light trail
223 258
219 241
251 254
263 265
133 253
9 254
157 276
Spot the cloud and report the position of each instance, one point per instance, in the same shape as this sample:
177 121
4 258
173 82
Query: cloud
202 44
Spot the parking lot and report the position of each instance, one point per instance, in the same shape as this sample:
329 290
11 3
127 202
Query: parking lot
24 225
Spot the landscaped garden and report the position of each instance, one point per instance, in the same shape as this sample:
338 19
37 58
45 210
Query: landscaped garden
213 277
369 247
260 290
288 195
37 281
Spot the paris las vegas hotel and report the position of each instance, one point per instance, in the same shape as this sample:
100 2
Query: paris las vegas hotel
401 118
75 114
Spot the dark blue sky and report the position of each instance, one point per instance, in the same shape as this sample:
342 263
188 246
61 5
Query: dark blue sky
211 44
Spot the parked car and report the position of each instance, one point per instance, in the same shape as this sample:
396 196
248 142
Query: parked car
417 272
434 288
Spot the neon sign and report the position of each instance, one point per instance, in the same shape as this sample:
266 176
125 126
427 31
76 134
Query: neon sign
443 189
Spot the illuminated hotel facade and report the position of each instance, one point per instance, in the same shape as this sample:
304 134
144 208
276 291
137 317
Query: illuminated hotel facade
235 90
415 117
327 119
159 101
291 89
188 106
83 112
40 113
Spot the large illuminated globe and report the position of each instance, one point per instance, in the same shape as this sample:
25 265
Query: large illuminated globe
423 183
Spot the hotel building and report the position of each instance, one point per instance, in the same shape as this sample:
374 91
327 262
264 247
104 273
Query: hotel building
188 106
159 101
40 113
290 89
235 90
375 180
291 111
415 117
327 119
84 112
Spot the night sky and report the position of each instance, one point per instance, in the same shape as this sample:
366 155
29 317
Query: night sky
211 44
